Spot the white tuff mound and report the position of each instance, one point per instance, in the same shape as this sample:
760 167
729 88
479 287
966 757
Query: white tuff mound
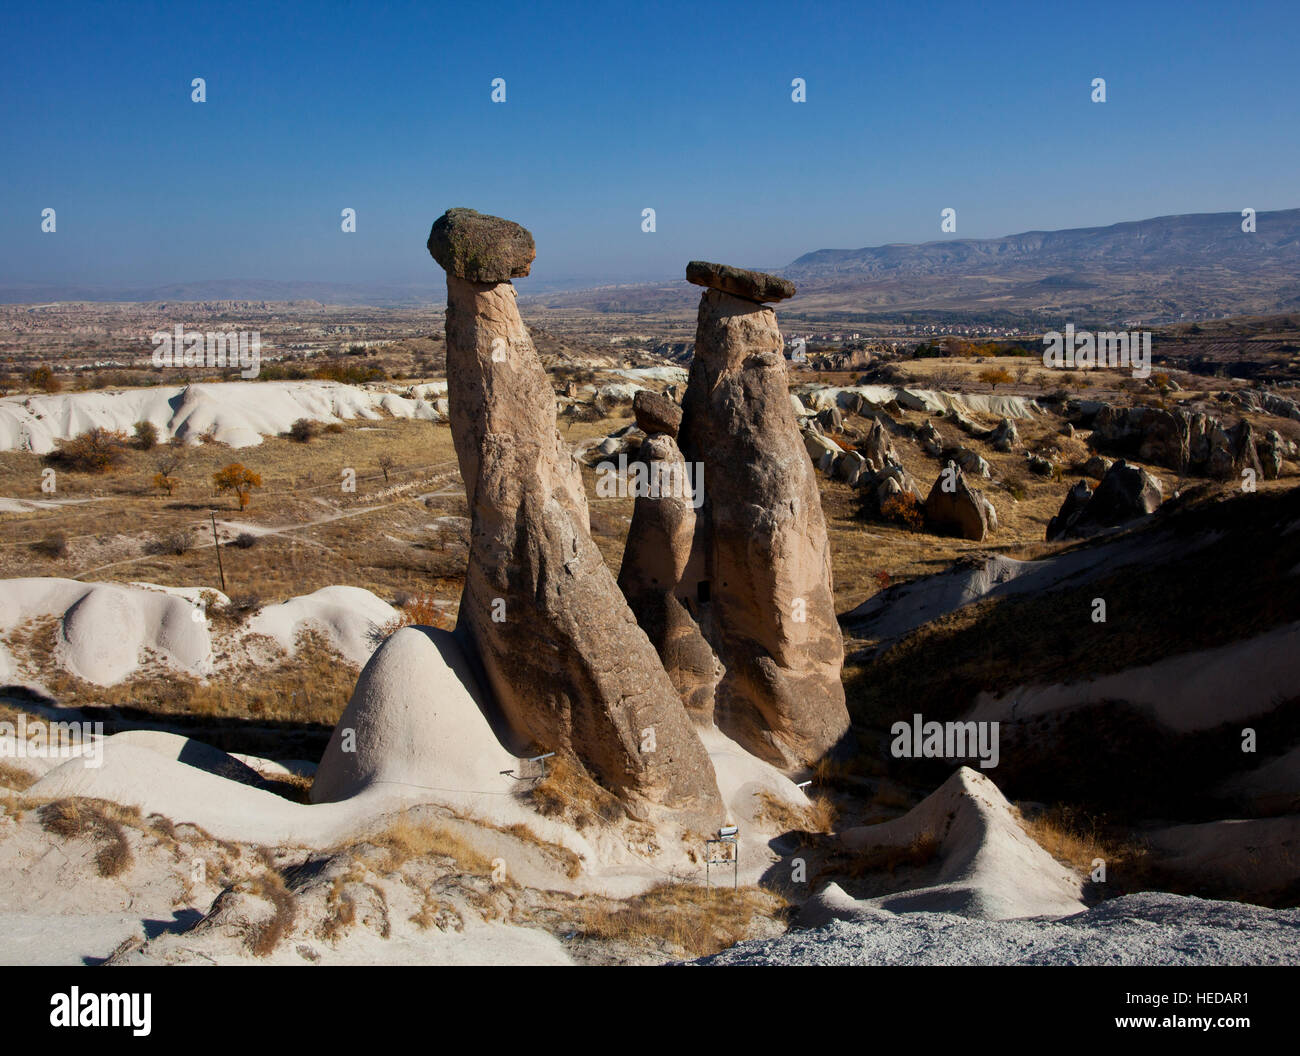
349 617
415 721
106 628
988 866
236 413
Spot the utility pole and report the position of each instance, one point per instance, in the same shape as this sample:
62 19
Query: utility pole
216 543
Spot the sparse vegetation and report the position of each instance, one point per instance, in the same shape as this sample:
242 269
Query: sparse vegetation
45 379
568 792
97 820
904 509
695 921
96 450
238 478
262 939
146 435
994 377
54 545
303 431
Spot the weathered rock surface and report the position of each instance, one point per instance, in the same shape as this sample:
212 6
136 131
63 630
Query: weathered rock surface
1038 465
767 558
1095 467
656 414
660 575
559 647
970 461
930 439
953 507
1124 494
1271 449
1076 501
1005 435
481 248
751 285
1190 442
831 420
849 467
822 450
877 448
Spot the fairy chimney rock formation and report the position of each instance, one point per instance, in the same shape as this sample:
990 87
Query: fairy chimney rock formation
766 578
661 563
568 665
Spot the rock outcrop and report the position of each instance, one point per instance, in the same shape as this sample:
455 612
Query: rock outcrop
953 507
1190 442
1124 494
559 647
930 439
656 413
661 565
1005 436
767 572
479 248
755 286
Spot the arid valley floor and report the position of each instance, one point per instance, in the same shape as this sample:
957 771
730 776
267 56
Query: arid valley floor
1144 806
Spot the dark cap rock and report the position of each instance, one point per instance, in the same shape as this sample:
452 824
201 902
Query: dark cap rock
656 413
480 248
752 285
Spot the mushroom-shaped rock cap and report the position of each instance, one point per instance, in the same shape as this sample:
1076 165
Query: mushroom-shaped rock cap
656 413
481 248
752 285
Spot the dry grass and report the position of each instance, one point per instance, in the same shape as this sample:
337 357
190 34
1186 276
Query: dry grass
13 778
571 862
410 837
569 793
691 920
436 913
818 817
312 686
1077 839
420 611
264 938
97 820
302 484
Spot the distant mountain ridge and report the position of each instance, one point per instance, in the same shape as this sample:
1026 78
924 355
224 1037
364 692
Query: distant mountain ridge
1189 240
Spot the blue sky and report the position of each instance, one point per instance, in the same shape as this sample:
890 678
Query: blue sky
684 108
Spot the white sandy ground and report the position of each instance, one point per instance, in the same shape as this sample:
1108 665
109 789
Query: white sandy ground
421 737
1145 929
238 414
989 867
425 741
108 631
55 909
